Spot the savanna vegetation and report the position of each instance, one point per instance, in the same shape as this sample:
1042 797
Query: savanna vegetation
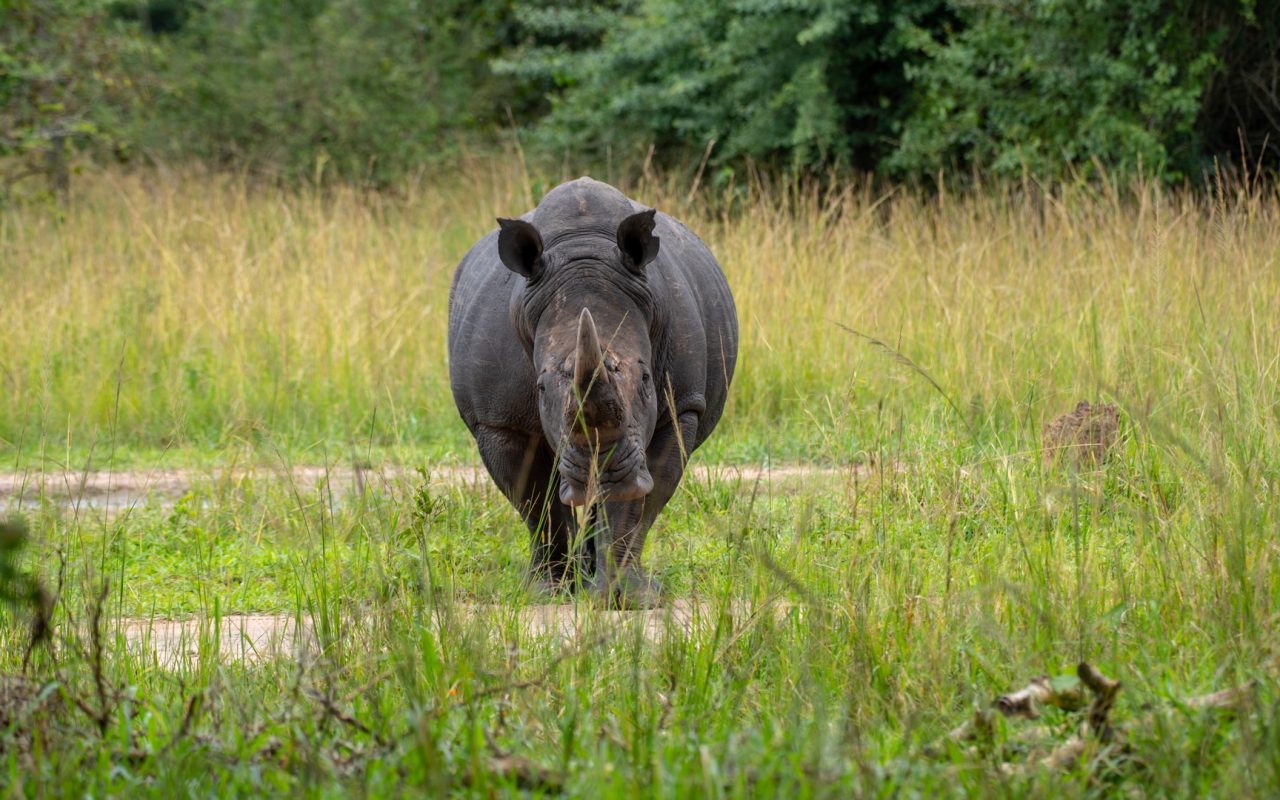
242 271
189 318
369 92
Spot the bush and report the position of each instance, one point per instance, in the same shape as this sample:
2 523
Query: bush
370 89
1059 87
1240 117
1046 87
60 86
805 82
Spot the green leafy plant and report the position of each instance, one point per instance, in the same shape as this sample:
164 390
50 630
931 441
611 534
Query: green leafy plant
19 589
366 91
805 83
60 85
1052 88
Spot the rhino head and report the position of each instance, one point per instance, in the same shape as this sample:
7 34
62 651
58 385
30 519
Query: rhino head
586 318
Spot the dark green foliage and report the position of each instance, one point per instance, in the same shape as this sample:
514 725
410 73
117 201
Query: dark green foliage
60 85
1240 116
550 36
158 16
810 82
370 89
1056 87
13 583
19 590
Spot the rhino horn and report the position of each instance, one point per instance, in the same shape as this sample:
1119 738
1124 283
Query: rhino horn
587 360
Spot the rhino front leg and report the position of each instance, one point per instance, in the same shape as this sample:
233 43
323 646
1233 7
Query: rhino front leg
620 578
522 467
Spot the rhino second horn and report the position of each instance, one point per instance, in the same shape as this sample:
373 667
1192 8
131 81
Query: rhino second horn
587 360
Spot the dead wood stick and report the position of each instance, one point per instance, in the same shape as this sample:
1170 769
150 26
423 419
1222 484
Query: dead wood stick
976 727
1064 756
1228 699
524 773
1026 701
1098 723
1096 728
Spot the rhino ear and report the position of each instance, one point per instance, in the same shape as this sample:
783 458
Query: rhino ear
636 240
520 247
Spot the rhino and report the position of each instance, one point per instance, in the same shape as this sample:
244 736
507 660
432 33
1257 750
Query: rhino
591 346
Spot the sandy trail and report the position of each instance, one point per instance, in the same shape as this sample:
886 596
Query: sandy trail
117 491
254 638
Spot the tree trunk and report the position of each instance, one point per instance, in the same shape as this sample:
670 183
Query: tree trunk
55 164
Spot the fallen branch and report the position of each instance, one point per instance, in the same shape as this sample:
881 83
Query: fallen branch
977 727
524 773
1104 690
1025 703
528 775
1042 691
1097 725
1096 734
331 709
1228 699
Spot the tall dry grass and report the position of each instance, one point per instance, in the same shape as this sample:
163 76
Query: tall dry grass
187 311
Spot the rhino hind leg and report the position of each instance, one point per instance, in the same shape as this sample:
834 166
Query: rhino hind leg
523 469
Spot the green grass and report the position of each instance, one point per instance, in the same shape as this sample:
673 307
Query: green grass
917 594
193 320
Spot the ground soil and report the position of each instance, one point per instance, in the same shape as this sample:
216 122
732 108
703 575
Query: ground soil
120 490
252 638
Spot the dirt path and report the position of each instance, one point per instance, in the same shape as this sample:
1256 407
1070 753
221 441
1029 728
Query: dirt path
254 638
120 490
251 638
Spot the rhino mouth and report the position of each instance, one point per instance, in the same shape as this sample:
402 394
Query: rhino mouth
616 475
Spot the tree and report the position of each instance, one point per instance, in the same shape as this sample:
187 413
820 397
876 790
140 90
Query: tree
58 82
370 90
1047 87
809 82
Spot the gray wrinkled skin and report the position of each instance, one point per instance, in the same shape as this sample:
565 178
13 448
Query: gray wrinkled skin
591 347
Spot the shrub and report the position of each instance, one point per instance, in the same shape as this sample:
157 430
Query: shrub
805 82
370 89
1057 87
